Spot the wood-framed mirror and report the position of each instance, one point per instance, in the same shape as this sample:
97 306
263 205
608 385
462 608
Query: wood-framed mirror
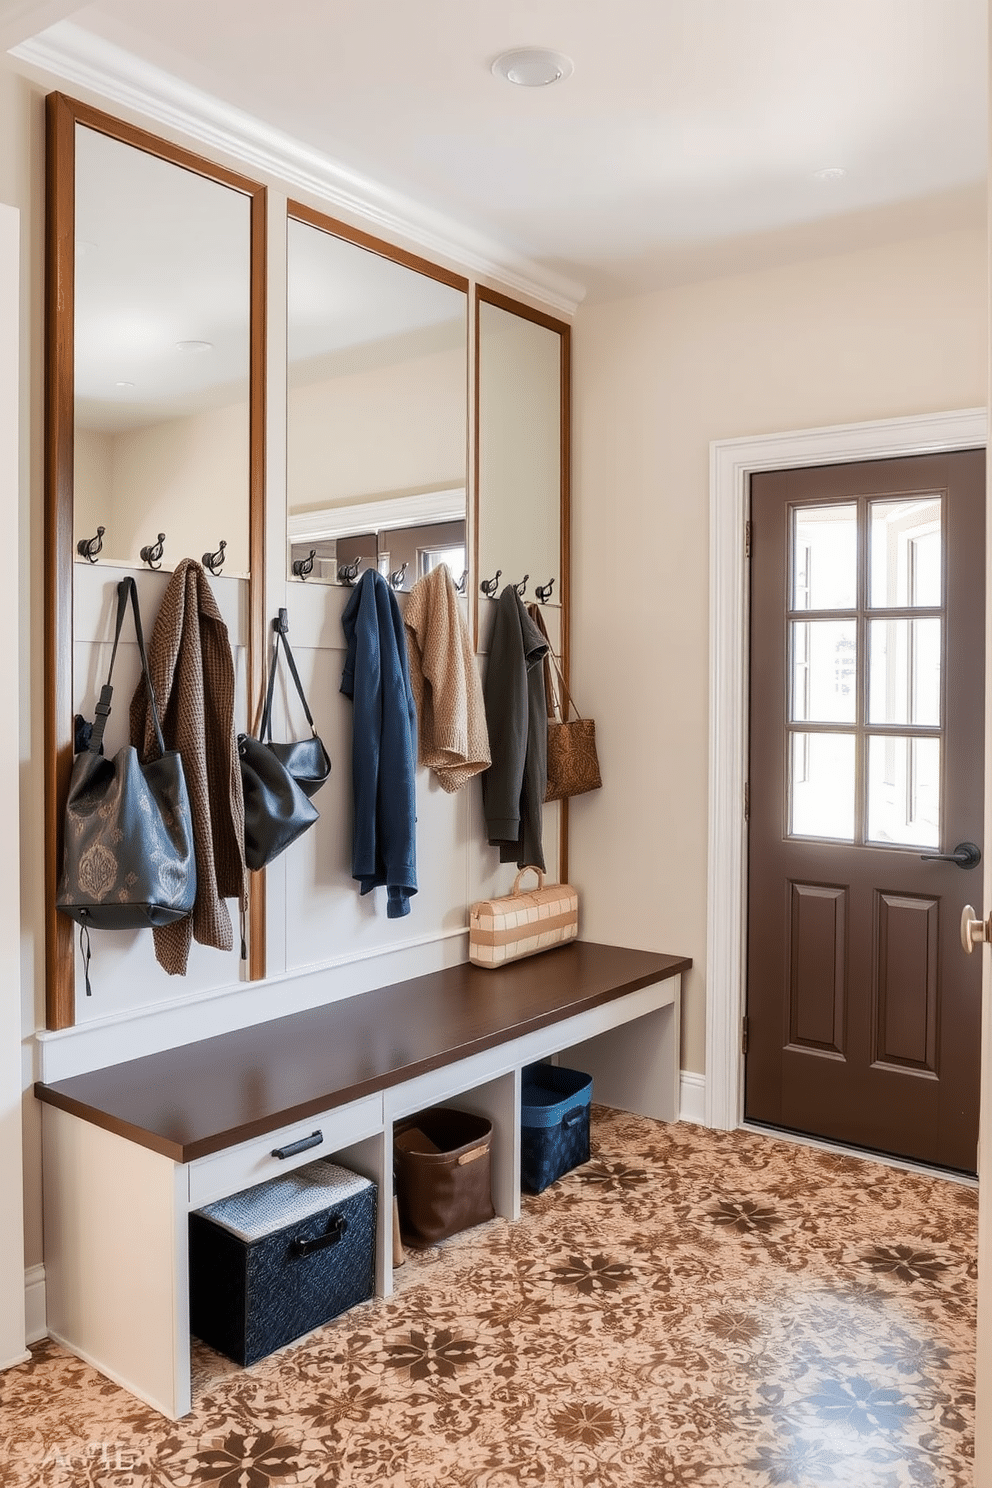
377 406
155 312
522 468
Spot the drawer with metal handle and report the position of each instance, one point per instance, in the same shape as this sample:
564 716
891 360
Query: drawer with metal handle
282 1150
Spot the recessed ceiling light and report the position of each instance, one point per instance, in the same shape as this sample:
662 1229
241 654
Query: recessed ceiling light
125 384
194 346
532 67
830 173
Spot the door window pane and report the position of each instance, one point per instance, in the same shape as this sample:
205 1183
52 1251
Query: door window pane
906 552
824 657
822 786
904 791
824 557
904 671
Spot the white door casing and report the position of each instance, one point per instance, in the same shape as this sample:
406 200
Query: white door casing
732 461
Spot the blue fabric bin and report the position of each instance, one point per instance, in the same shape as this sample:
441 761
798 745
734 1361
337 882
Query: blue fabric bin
554 1123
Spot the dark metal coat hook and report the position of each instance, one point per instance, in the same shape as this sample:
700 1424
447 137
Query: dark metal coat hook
304 566
521 588
281 622
152 554
543 591
397 576
88 547
460 586
215 561
348 572
489 586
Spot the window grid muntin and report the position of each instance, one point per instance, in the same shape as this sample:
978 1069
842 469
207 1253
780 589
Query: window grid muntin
863 612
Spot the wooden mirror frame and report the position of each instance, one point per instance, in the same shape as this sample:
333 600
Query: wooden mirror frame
564 331
311 217
63 114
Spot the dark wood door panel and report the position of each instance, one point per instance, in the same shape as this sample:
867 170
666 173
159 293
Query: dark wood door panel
818 967
863 1012
905 982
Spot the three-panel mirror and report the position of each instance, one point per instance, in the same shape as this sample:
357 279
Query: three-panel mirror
376 408
156 414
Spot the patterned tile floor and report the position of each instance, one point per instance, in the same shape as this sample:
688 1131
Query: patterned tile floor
691 1307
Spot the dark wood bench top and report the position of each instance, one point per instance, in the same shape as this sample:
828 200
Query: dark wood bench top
203 1097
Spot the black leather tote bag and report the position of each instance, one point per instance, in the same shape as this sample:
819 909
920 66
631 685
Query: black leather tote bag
276 809
128 858
279 779
306 759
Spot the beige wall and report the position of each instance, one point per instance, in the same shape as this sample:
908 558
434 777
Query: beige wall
877 334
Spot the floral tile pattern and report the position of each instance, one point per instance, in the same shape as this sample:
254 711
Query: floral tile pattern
721 1309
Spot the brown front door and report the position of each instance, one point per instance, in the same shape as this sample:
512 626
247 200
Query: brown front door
866 726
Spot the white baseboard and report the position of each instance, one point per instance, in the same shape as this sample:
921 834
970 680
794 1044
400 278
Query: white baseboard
692 1097
35 1316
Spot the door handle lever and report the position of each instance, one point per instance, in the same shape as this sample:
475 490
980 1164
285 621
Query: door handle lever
966 855
974 931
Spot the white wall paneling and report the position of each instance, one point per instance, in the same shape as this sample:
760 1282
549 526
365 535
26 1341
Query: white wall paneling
124 973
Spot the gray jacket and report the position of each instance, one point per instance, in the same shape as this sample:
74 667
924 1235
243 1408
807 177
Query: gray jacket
516 715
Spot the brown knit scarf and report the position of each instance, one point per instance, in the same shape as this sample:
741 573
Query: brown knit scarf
192 672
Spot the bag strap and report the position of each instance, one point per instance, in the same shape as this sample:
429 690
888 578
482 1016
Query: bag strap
561 694
528 868
551 701
126 589
281 628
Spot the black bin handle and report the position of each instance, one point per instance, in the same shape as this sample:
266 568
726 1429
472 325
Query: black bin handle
337 1227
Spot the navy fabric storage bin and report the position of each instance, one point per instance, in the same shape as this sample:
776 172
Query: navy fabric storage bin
272 1262
554 1123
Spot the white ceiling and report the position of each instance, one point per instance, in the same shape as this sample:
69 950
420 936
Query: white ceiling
685 143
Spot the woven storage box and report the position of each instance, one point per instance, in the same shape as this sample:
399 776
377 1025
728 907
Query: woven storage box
554 1123
443 1165
271 1263
520 924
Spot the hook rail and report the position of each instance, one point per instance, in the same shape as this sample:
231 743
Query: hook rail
88 547
215 561
152 552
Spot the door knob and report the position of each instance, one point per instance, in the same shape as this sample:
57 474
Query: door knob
974 931
966 855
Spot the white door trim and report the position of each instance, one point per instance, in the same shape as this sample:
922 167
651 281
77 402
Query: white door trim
731 464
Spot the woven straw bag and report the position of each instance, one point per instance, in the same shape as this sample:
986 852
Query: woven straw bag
521 924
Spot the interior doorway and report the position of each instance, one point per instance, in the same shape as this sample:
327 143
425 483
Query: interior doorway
865 775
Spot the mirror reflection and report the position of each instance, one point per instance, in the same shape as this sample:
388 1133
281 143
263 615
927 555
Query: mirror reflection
520 433
377 412
162 334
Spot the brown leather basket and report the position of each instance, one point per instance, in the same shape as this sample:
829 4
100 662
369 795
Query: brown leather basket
443 1174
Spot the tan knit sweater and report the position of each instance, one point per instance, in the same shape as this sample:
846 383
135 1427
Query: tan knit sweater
453 740
192 672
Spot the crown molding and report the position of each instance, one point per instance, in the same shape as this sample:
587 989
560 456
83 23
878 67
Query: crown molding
77 56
